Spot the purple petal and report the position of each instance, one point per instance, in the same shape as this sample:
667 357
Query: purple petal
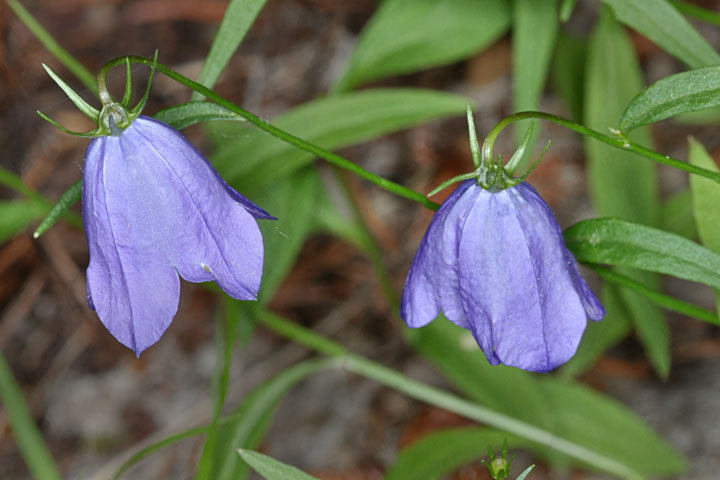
153 207
432 283
134 291
220 240
591 304
555 318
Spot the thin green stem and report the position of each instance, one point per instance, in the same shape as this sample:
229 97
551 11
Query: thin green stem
617 142
440 398
658 298
333 158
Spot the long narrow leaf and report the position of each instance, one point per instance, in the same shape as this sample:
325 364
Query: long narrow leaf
617 242
705 198
659 21
238 19
613 78
683 92
409 35
272 469
332 122
438 454
25 432
187 114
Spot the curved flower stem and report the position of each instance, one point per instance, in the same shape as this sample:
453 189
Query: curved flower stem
333 158
440 398
656 297
616 141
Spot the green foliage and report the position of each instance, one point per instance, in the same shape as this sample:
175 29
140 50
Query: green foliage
405 36
659 21
617 242
535 27
620 185
16 215
272 469
25 432
570 410
238 19
680 93
67 200
677 214
705 201
438 454
187 114
568 71
331 122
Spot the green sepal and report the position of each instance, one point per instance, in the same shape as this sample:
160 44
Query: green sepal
141 104
447 183
89 111
474 146
127 95
537 162
91 134
525 473
67 200
520 152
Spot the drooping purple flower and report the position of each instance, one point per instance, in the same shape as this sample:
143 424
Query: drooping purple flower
155 208
495 263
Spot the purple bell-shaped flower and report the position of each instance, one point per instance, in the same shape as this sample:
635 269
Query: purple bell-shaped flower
155 208
495 262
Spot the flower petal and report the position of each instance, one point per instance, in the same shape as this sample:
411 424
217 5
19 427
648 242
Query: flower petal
220 239
432 283
591 304
557 318
134 291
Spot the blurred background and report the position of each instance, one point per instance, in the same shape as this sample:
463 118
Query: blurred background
95 403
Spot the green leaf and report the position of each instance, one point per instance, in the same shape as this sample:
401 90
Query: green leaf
248 422
251 420
182 116
535 28
617 242
705 198
570 410
62 55
651 326
16 215
89 111
404 36
525 473
67 200
683 92
600 336
438 454
271 469
331 122
24 430
566 9
698 12
659 21
156 447
677 214
568 71
613 78
239 17
226 327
